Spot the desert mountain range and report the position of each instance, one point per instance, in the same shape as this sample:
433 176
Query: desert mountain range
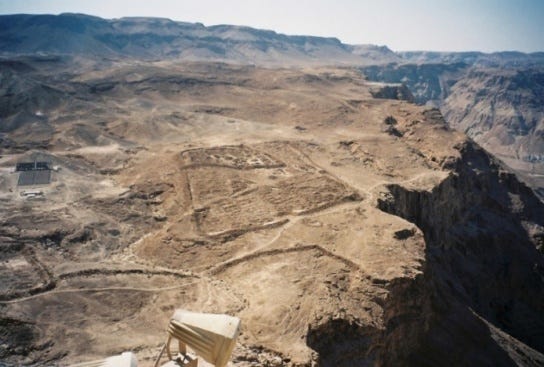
494 98
352 205
157 39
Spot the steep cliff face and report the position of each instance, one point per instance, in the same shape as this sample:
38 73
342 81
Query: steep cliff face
254 192
496 100
505 59
429 83
392 91
502 110
483 271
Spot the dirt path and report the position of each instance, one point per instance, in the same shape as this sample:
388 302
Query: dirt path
92 290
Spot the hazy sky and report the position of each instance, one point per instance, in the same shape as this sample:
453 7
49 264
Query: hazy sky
442 25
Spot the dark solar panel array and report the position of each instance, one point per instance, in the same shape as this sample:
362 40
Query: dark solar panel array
30 166
42 165
40 177
25 166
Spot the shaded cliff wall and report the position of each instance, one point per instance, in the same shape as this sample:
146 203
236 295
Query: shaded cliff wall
427 82
482 228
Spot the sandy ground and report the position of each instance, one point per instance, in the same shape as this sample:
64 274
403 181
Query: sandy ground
251 192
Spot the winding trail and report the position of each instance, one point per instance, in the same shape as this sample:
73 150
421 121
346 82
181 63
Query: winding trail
262 251
102 271
93 290
294 219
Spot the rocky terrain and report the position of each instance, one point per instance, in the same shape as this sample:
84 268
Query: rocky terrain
344 224
502 110
496 99
341 228
158 39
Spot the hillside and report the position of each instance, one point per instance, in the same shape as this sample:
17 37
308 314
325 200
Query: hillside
498 105
342 229
430 76
288 180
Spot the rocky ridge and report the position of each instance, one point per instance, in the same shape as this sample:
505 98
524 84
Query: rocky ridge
158 38
499 106
343 229
343 224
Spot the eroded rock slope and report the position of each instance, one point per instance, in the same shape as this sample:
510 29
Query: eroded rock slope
342 229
